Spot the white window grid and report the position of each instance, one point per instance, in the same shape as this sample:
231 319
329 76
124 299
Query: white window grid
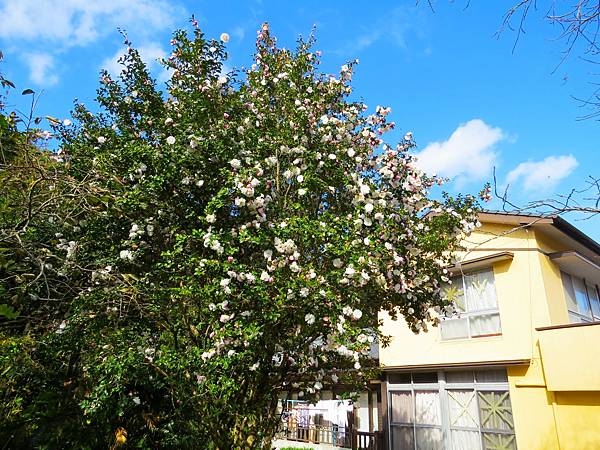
442 387
469 315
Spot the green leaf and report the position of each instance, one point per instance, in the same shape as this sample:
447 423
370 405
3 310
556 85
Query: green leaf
8 311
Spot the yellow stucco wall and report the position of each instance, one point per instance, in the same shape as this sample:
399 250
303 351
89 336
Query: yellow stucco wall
578 418
556 395
520 292
571 358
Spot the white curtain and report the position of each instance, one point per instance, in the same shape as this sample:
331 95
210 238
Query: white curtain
427 408
485 324
480 291
429 439
465 440
454 328
462 409
462 405
454 293
402 407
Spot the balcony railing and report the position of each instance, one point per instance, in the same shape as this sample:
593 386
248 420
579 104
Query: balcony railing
333 435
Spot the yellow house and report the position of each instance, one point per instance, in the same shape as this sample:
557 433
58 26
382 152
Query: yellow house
517 363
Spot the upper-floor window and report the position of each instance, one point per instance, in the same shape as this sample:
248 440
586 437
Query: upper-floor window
582 298
475 314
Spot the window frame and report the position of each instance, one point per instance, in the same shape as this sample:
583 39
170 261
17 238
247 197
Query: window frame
468 315
582 318
443 388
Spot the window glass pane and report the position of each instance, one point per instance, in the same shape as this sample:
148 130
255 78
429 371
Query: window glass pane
459 376
494 441
593 296
465 440
569 292
491 376
480 291
402 407
454 294
427 408
425 377
495 411
454 328
485 324
399 378
429 439
576 318
581 297
402 438
462 408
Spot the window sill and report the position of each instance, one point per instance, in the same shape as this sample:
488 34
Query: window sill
472 339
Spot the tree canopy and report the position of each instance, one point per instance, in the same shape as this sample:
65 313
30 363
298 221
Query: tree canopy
191 255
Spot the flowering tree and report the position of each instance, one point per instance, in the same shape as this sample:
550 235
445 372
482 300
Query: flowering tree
236 240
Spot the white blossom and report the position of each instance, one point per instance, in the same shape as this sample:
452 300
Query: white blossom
126 255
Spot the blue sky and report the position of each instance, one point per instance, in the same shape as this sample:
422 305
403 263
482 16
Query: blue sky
471 102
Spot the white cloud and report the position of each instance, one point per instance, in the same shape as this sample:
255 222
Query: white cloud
395 27
544 175
52 26
79 22
239 32
41 68
150 54
468 154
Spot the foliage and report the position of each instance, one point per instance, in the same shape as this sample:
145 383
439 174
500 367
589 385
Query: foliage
211 248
